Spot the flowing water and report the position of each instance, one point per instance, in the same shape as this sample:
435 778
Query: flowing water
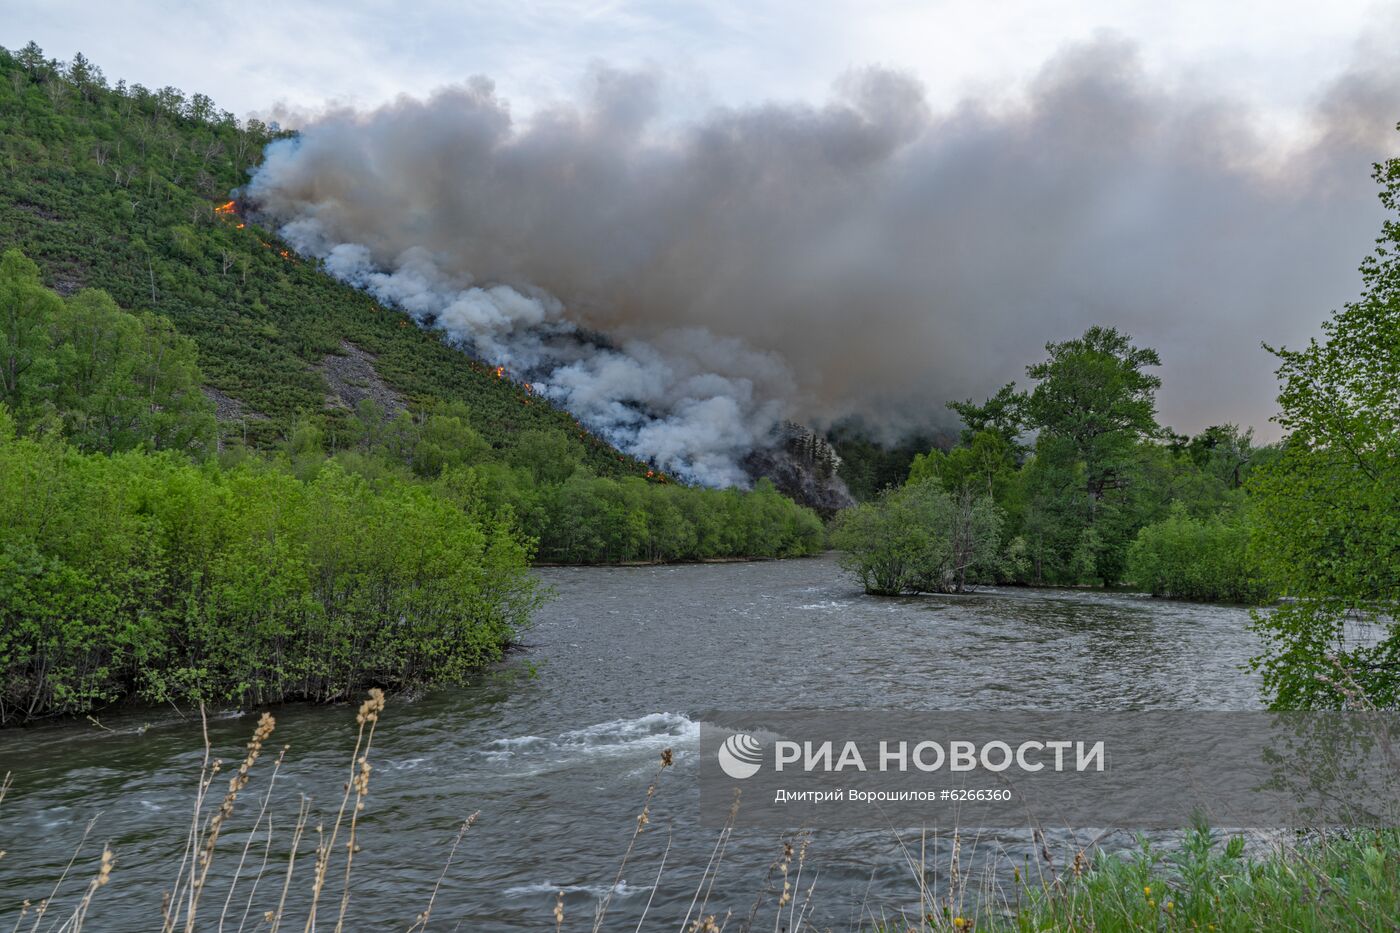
556 749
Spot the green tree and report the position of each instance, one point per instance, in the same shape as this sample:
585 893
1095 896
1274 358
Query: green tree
1094 393
1004 414
1223 451
1093 405
550 455
1328 507
31 58
127 380
984 463
919 539
27 309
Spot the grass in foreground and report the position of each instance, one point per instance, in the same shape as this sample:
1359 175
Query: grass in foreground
1345 881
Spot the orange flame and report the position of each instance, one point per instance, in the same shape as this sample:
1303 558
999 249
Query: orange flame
226 208
240 226
500 372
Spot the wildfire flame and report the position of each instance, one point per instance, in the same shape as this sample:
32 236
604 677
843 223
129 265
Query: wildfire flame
228 207
500 372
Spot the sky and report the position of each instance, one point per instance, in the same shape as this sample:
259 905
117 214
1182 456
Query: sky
923 194
365 52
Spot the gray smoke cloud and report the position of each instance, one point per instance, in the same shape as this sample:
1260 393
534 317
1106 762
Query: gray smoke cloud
869 256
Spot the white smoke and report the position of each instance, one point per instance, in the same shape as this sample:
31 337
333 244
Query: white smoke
690 402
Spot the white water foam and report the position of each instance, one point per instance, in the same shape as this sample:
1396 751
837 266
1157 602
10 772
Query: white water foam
614 737
598 891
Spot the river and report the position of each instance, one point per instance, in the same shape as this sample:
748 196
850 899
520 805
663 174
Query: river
556 749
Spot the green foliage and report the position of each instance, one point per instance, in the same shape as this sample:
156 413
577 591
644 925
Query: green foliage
145 575
27 313
919 539
1328 507
1193 558
576 516
1093 406
1004 414
986 462
1093 393
1099 471
588 519
113 380
1342 881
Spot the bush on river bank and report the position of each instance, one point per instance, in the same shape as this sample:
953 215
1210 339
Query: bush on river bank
147 576
919 539
1202 559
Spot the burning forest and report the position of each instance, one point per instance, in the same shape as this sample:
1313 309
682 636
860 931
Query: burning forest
686 291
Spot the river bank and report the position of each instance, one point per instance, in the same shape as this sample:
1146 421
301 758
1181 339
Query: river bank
557 746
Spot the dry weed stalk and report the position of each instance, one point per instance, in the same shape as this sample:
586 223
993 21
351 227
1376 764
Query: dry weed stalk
359 785
274 917
171 909
236 784
421 923
46 903
660 869
247 844
180 902
74 923
707 878
4 789
642 819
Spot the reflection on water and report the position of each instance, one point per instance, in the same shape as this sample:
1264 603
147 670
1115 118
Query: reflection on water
558 762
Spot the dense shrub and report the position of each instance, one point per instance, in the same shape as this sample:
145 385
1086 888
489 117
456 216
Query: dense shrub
919 539
1204 559
145 575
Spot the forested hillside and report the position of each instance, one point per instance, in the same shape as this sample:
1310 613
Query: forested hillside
127 189
121 188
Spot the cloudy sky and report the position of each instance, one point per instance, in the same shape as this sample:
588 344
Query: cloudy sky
903 202
306 53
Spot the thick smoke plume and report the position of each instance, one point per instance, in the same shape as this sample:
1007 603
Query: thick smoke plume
870 256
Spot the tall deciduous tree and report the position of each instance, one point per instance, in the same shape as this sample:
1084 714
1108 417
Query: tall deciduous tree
1093 405
1095 393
